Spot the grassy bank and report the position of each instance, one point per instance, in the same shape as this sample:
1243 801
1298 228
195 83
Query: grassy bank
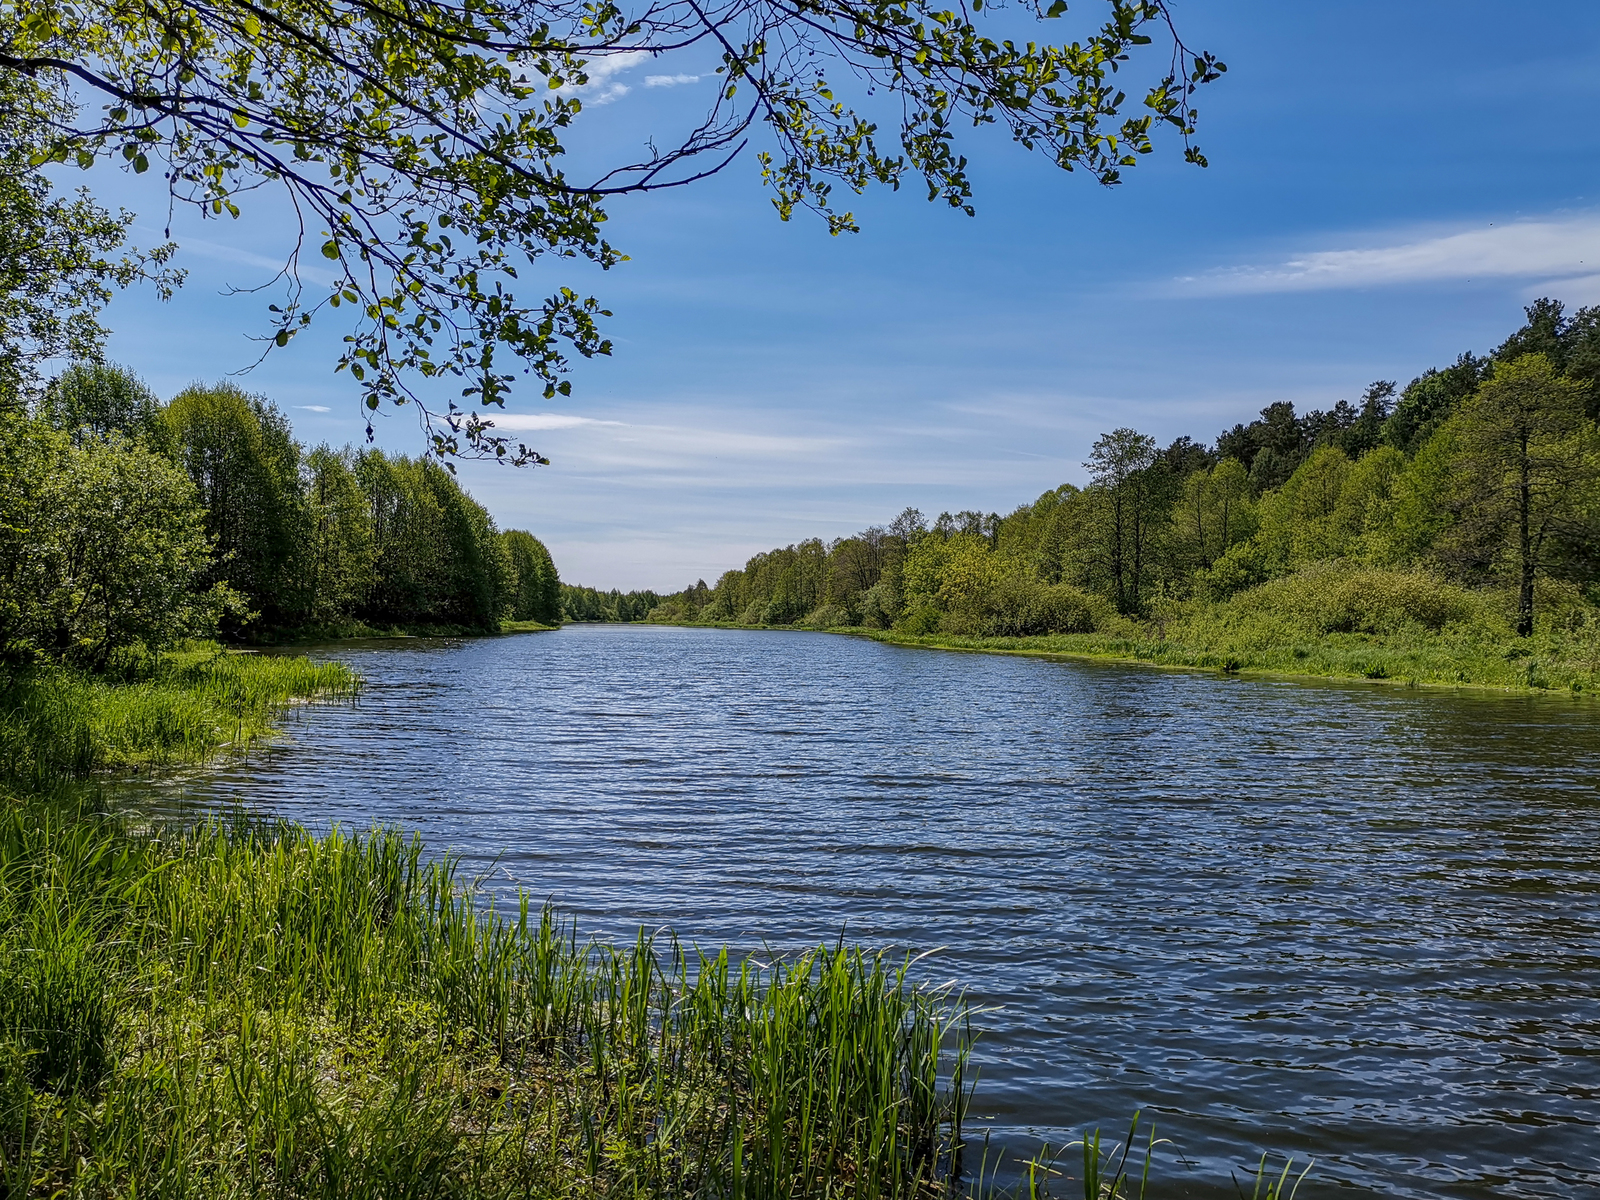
1462 660
1334 621
252 1011
57 723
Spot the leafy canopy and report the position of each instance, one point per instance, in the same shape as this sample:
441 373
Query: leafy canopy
421 143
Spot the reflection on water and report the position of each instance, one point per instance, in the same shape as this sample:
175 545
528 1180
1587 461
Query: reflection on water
1358 923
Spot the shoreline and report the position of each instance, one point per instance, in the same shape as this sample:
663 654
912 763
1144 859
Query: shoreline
1230 666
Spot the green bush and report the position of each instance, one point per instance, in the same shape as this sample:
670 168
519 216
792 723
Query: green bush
1347 597
1026 607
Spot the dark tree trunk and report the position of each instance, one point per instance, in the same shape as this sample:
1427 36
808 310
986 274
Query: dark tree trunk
1525 556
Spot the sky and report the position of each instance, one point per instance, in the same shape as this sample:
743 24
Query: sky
1389 185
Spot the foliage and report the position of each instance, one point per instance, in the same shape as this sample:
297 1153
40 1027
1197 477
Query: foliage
582 604
423 147
56 272
1371 520
1528 459
537 596
61 723
94 399
245 465
101 549
127 526
246 1010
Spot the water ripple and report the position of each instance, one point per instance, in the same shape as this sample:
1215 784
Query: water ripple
1343 921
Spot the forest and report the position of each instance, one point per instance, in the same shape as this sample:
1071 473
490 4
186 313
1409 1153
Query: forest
129 526
1466 503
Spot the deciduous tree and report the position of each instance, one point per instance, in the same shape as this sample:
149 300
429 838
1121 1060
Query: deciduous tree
422 145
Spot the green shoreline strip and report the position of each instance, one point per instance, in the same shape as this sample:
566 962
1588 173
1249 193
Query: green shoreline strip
1531 666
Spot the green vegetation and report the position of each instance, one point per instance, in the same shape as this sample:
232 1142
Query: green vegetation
427 143
57 722
586 604
1450 534
247 1010
128 526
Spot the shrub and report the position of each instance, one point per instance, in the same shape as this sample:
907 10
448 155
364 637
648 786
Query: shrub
1345 597
829 616
1025 607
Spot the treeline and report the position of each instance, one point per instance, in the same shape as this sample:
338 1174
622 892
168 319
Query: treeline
588 604
126 523
1482 475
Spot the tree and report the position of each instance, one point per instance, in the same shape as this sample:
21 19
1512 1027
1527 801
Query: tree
422 144
56 272
1527 456
104 547
1430 399
337 566
1214 512
245 465
98 400
1129 500
538 588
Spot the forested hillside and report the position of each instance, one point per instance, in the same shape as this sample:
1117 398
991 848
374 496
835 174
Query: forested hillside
1469 500
128 525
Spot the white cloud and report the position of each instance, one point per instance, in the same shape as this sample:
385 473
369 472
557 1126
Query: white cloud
1551 248
614 444
602 88
219 252
525 421
316 408
669 80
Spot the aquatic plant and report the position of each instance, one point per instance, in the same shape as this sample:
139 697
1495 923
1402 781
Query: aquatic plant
250 1010
56 722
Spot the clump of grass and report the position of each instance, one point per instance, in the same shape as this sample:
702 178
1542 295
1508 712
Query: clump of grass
56 722
255 1011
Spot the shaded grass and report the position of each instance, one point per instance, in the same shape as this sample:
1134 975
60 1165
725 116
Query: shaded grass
248 1010
58 723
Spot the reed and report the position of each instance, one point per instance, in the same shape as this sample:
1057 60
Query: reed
59 723
249 1010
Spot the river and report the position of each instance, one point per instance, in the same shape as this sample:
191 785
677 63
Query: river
1351 922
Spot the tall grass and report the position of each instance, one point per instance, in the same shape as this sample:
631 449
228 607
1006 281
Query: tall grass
57 723
253 1011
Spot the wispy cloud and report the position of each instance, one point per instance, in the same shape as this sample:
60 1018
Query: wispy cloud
530 421
1546 249
603 87
316 408
220 252
669 80
620 442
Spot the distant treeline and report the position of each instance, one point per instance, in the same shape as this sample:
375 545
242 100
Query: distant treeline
128 523
588 604
1484 474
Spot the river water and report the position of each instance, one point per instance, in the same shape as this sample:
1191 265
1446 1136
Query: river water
1350 922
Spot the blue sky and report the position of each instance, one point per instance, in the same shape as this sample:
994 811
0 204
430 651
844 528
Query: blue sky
1389 183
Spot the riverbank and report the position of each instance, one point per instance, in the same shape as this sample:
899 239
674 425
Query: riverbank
1545 665
243 1008
1465 658
57 723
356 631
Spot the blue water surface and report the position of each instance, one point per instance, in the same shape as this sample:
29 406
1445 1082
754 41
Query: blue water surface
1350 922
